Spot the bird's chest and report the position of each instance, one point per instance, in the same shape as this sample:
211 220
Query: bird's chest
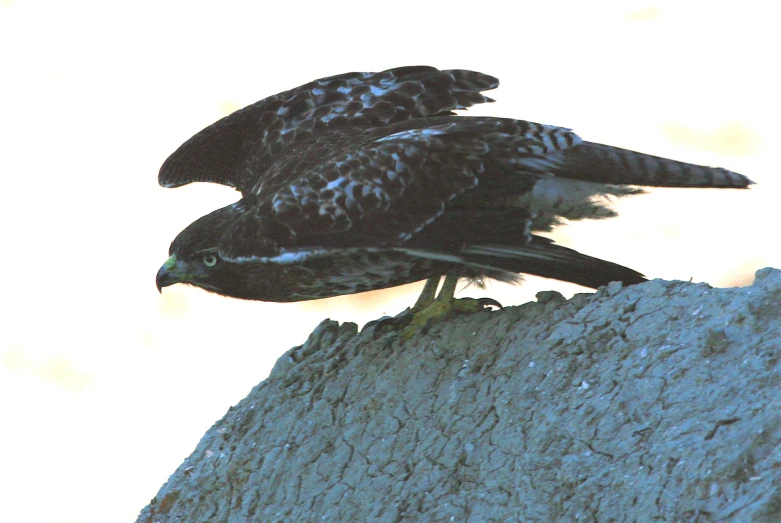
354 272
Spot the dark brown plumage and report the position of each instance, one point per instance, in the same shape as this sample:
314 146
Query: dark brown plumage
365 181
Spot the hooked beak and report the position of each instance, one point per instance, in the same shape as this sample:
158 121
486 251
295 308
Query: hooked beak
167 275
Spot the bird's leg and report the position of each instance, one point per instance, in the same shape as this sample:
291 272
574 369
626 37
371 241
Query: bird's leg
443 305
428 308
427 294
448 289
426 298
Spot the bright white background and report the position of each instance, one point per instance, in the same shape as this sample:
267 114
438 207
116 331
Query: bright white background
106 386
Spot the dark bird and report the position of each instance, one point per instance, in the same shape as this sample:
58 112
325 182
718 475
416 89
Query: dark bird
365 181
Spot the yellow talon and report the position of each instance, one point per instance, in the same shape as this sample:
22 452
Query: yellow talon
429 308
440 309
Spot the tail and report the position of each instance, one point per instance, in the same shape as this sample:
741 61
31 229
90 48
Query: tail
595 162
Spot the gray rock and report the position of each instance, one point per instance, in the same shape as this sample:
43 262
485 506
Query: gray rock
656 402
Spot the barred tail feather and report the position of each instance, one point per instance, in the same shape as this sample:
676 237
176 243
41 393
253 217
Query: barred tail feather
606 164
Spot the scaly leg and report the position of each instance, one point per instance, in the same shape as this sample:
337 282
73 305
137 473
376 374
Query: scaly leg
448 288
403 319
444 305
427 294
428 308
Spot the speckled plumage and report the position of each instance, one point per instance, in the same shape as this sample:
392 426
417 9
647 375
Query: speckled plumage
369 180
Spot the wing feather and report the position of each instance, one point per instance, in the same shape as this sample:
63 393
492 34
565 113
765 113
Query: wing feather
237 150
386 187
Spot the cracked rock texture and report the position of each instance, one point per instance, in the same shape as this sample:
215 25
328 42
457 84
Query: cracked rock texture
657 402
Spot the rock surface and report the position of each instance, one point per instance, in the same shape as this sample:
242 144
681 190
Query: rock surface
657 402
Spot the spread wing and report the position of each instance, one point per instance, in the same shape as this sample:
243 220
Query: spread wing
408 186
238 149
383 189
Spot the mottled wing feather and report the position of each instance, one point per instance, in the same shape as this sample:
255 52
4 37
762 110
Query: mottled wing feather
383 190
369 196
238 149
390 189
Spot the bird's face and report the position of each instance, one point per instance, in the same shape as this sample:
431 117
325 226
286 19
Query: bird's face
207 270
247 281
203 269
195 259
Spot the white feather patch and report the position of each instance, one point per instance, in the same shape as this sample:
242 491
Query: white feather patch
410 134
286 257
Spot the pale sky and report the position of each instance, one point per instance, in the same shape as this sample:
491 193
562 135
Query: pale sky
107 385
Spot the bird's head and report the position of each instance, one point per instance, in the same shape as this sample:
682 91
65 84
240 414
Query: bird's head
198 257
194 256
199 270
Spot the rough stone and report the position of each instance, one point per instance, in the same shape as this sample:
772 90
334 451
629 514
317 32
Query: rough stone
656 402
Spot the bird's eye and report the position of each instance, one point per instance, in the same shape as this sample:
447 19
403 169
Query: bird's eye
210 260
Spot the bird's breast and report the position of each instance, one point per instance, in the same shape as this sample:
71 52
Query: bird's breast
352 272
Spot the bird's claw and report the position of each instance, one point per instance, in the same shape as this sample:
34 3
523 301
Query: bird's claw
411 321
390 324
441 309
489 302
